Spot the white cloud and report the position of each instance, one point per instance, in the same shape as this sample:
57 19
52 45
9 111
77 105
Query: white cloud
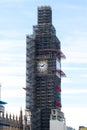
74 68
75 57
12 54
12 73
12 70
83 75
11 1
12 81
75 47
66 80
7 44
11 34
14 93
74 91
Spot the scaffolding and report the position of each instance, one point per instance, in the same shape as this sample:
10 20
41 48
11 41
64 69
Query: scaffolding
30 77
43 89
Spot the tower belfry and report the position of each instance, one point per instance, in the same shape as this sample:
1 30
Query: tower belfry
43 70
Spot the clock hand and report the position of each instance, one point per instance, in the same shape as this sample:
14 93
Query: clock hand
42 65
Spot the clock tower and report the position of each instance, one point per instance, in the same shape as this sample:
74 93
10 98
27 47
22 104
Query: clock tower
43 71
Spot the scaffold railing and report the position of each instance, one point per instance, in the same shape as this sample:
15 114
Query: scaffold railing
61 73
57 51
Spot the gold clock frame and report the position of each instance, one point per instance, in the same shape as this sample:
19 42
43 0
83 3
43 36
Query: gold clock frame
42 65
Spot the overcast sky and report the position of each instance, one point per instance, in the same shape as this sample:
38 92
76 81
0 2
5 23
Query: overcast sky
70 20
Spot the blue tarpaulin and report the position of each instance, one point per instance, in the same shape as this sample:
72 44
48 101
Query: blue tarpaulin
4 124
2 102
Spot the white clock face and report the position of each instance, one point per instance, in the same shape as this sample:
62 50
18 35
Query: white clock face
42 66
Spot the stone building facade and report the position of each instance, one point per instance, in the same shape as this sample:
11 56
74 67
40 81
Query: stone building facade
10 122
